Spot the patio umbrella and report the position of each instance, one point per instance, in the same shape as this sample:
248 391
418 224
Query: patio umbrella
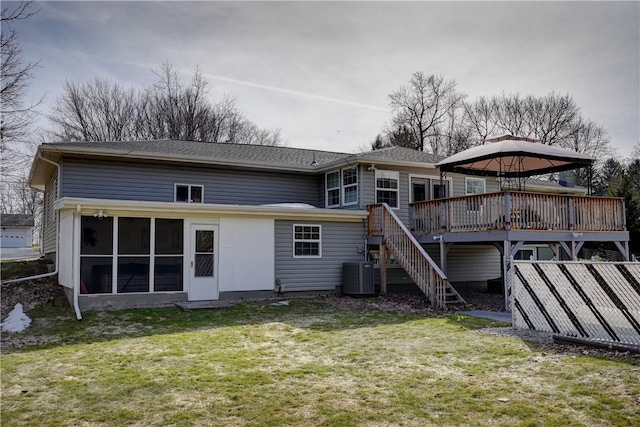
510 156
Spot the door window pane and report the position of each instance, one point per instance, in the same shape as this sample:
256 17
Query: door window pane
204 241
168 274
169 237
133 274
96 236
134 236
204 265
419 191
440 191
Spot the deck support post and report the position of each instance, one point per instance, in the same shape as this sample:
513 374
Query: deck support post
623 247
444 251
506 271
383 268
568 250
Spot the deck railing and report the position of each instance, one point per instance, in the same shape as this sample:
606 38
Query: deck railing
518 211
411 255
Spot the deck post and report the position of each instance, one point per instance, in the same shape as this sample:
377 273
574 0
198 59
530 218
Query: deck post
506 270
507 212
444 250
383 268
572 214
442 209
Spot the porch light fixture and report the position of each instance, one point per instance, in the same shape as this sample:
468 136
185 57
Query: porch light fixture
100 214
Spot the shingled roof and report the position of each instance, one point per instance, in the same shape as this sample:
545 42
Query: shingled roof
16 220
299 159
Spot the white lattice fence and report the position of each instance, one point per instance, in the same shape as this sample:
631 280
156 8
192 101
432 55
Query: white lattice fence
597 301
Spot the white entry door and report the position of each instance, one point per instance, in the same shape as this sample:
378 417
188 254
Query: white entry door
203 277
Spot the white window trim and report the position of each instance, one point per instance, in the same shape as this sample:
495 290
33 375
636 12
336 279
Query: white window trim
484 185
294 240
343 187
397 190
327 189
431 177
175 192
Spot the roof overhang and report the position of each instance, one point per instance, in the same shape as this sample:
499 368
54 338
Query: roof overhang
88 206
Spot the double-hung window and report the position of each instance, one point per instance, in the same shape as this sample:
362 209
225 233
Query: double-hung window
333 189
387 188
307 241
474 186
342 187
188 193
350 186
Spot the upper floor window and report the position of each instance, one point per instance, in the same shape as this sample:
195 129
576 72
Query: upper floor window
333 189
342 187
387 188
189 193
474 186
350 186
307 241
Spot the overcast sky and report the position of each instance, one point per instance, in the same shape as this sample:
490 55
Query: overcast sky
321 72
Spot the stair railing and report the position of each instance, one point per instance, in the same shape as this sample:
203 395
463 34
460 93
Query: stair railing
411 255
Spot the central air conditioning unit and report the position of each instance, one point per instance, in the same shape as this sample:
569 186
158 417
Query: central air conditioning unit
358 278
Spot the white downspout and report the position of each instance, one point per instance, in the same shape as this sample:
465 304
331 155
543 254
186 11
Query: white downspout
55 271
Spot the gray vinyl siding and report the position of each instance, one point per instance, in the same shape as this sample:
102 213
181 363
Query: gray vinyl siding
133 181
49 215
340 243
469 263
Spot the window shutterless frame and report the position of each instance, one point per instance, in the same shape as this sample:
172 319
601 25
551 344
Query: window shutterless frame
307 241
341 187
188 193
388 188
332 189
349 186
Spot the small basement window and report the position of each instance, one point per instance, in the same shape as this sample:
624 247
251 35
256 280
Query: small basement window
188 193
307 241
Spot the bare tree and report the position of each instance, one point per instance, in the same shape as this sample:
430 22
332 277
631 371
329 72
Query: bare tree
168 109
423 105
550 119
480 119
511 114
98 111
16 115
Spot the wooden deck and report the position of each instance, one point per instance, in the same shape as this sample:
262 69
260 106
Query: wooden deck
518 211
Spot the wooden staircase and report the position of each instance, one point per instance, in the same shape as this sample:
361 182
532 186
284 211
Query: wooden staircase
412 257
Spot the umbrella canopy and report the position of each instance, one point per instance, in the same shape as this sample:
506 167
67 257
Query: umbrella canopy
509 156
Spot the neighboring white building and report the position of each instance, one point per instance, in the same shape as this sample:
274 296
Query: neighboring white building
17 231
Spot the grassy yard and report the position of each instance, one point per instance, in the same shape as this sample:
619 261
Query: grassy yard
315 362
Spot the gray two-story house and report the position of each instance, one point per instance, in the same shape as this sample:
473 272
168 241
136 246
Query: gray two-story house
159 221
